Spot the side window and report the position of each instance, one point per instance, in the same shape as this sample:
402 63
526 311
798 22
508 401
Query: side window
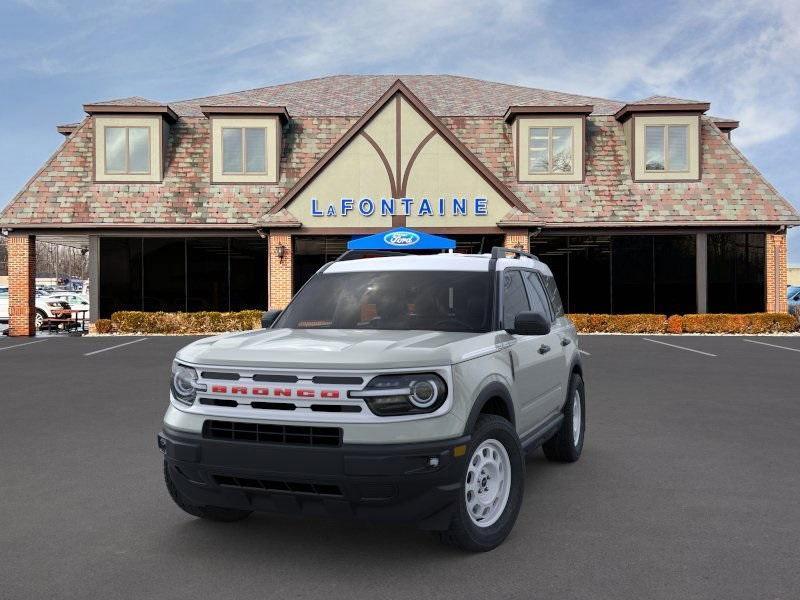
536 294
515 300
552 293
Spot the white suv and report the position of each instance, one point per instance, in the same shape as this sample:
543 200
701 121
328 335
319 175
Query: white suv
404 388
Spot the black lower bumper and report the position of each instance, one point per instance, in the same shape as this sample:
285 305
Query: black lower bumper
414 483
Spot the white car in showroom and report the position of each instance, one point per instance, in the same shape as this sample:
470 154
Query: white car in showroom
76 301
47 307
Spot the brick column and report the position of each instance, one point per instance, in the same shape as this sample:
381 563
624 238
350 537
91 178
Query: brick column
280 270
21 284
775 273
517 237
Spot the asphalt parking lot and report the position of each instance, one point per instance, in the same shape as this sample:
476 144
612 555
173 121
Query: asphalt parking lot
688 488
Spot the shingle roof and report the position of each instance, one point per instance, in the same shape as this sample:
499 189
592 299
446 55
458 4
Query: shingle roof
666 100
352 95
130 101
63 193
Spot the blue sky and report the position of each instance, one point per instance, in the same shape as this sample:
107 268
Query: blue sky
56 55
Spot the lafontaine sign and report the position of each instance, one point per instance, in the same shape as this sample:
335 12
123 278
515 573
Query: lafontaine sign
422 207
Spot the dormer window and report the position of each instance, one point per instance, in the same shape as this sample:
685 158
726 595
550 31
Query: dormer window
550 150
244 150
663 138
548 142
666 148
127 150
130 140
245 143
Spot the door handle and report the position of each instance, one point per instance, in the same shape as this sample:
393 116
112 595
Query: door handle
544 349
565 341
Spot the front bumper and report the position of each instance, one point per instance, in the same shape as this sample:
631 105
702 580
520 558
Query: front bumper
412 483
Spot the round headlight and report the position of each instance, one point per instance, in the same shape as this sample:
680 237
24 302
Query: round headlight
423 393
184 383
403 394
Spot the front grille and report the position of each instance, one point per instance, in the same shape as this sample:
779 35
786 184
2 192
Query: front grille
272 434
290 487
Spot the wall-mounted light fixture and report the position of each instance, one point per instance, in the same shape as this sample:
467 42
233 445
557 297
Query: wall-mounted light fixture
261 233
280 252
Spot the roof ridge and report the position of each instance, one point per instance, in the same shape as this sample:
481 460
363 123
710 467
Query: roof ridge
395 76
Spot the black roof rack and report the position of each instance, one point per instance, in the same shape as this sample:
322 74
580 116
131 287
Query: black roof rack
498 252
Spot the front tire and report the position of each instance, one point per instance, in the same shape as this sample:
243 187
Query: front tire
212 513
492 488
39 318
567 444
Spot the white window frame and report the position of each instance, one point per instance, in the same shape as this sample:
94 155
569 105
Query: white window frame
127 129
665 148
244 171
550 129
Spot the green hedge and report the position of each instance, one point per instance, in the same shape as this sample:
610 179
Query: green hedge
128 321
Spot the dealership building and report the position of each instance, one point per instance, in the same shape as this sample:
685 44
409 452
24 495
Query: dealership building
233 201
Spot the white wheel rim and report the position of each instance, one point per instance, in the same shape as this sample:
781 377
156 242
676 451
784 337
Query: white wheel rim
488 483
576 417
39 320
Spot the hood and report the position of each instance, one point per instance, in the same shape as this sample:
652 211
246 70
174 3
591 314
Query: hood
331 349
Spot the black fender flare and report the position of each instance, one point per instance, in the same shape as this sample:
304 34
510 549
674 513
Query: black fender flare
576 366
494 389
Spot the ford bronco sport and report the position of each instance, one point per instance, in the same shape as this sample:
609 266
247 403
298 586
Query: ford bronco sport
393 387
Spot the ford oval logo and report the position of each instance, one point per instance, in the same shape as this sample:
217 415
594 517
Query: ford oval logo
401 238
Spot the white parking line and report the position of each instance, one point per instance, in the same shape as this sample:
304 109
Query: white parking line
113 347
680 347
771 345
20 345
584 352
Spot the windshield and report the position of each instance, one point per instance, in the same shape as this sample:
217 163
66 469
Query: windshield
433 300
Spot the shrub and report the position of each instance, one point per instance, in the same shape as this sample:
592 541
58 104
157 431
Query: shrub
675 324
706 323
103 326
747 323
619 323
197 322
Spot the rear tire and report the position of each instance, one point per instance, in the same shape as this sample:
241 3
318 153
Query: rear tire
212 513
567 444
492 489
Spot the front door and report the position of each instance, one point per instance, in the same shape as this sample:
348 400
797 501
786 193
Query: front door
536 360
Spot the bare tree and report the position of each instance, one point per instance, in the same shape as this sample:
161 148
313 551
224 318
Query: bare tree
52 260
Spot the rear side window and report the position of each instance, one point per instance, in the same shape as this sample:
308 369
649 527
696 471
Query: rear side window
537 294
552 293
515 299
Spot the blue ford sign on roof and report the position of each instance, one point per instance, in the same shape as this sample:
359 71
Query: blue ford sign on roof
401 238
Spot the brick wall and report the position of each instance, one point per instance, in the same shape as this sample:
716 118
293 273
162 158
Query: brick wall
517 237
21 284
776 273
280 271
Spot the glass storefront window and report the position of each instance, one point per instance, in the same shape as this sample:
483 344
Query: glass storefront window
736 272
622 274
180 274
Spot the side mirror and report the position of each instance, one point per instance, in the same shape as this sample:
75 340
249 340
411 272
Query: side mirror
531 323
268 318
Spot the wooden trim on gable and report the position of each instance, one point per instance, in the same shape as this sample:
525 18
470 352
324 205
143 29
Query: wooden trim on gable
398 87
